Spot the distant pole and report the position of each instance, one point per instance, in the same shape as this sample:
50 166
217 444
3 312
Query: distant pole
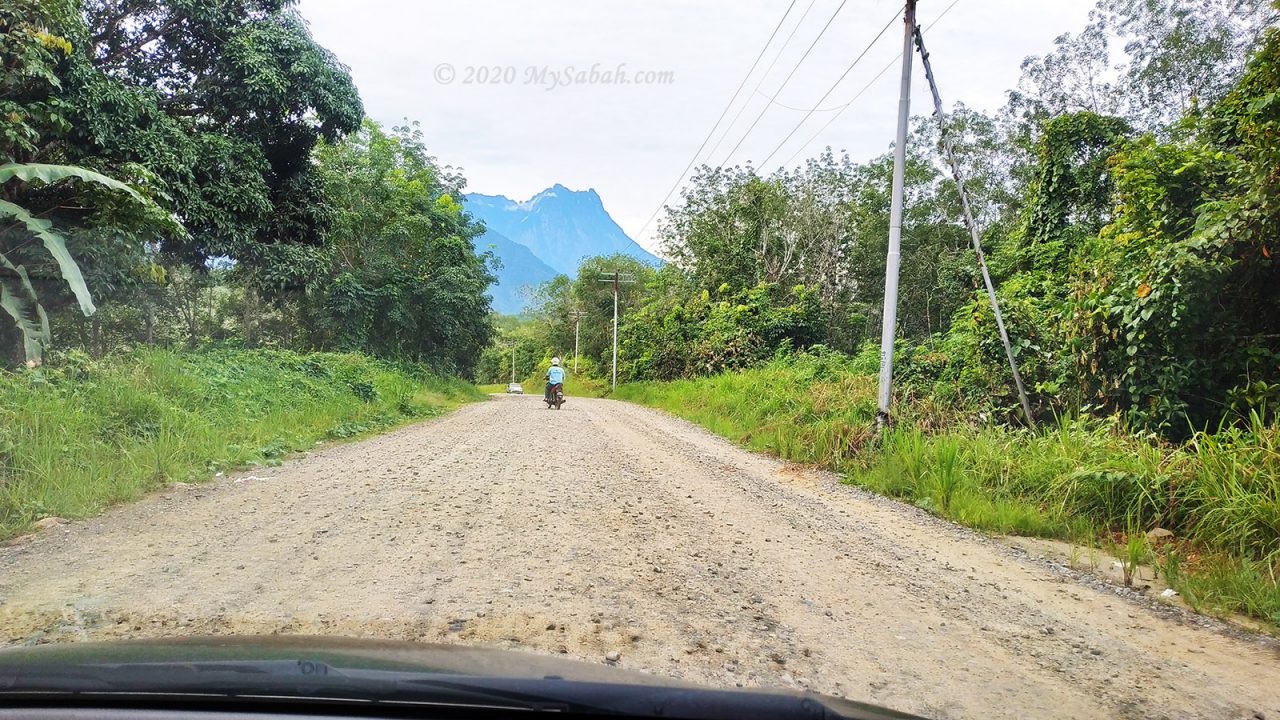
616 277
889 319
577 324
513 363
615 329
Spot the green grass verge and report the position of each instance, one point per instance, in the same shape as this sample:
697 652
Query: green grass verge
574 386
82 435
1085 481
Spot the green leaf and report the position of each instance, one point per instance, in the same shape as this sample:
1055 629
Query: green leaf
56 173
57 247
18 298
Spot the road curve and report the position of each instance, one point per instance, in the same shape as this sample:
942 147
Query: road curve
609 527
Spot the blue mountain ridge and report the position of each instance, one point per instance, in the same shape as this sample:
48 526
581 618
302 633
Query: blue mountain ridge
554 229
521 271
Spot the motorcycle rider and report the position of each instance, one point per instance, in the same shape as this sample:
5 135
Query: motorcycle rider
555 376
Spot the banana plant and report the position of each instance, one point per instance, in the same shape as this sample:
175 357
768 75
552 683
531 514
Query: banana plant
18 296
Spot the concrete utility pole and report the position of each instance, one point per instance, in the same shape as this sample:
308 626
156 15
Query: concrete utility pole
577 316
513 363
889 317
616 277
949 147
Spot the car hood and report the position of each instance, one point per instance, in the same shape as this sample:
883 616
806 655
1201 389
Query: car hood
338 652
340 669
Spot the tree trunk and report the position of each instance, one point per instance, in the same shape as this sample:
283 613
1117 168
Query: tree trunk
193 319
247 322
95 333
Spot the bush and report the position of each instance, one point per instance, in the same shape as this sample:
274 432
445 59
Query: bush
705 335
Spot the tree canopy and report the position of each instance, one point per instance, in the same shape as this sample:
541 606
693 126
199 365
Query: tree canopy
245 138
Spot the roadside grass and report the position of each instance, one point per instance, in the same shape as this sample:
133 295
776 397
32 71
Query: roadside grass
1082 480
583 386
580 385
575 386
81 435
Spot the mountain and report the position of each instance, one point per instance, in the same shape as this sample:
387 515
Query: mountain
561 226
520 270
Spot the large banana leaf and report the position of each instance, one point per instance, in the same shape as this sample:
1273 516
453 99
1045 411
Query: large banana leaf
18 298
17 295
55 173
57 247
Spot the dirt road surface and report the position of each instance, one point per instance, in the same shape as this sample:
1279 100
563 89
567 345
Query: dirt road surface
607 527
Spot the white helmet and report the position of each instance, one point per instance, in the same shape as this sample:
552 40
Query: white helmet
555 361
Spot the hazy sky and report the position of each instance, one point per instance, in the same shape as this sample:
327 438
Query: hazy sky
479 76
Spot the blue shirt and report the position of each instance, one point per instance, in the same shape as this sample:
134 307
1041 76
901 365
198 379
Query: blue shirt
555 375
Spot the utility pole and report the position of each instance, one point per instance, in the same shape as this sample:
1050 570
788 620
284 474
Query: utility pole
950 149
616 277
513 362
577 316
889 318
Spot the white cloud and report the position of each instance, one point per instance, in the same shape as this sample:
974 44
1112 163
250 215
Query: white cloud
630 141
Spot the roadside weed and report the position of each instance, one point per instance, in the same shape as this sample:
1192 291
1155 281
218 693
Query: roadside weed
79 435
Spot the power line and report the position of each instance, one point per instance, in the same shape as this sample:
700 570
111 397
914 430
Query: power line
724 112
763 75
832 89
783 86
844 107
864 89
785 106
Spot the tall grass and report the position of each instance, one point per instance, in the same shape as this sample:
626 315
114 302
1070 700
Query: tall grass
1232 493
1079 479
83 434
813 411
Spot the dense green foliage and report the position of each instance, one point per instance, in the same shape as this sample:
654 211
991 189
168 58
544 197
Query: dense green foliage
91 433
226 115
733 330
1179 295
400 276
1140 280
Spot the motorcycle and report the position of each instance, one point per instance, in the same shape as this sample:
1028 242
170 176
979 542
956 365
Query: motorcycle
554 396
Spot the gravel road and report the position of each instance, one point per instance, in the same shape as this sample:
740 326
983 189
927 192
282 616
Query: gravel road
609 528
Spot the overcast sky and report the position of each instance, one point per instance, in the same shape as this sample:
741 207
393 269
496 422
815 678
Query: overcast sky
479 77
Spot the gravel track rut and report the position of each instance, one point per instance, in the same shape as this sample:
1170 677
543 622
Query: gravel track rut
607 527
